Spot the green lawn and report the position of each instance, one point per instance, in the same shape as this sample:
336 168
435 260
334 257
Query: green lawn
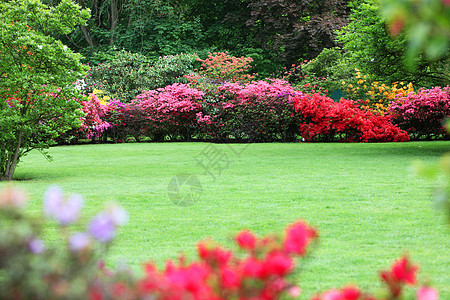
367 204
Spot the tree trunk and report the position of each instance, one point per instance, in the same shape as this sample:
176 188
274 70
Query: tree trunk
114 20
11 163
87 36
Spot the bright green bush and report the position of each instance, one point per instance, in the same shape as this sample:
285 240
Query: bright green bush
127 74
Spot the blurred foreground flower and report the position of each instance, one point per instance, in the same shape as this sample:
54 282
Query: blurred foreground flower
65 211
71 269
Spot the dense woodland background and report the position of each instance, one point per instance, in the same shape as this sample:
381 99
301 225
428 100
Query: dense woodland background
275 33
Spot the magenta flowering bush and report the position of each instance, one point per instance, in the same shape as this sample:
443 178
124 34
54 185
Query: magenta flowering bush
259 111
422 114
171 110
93 125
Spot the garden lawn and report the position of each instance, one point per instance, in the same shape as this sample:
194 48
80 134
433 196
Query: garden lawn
365 201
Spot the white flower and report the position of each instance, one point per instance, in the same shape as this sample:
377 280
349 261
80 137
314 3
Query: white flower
39 46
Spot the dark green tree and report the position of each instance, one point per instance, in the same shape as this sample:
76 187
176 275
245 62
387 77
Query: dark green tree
150 27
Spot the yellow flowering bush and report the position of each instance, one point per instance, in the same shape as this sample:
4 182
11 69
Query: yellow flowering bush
102 96
372 94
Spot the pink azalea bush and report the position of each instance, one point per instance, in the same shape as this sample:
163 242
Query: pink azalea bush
258 111
71 269
422 114
171 110
93 125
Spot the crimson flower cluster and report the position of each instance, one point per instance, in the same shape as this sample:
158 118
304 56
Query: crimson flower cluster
220 274
321 118
92 123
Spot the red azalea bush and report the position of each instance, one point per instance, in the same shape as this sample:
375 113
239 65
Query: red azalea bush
422 114
71 269
402 273
171 110
323 119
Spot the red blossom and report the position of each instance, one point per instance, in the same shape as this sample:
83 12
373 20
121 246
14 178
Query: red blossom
298 236
246 240
403 271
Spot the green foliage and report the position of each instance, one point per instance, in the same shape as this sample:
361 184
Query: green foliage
37 96
149 27
127 74
372 49
426 23
327 70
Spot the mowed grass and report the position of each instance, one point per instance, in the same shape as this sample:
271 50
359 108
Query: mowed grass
365 201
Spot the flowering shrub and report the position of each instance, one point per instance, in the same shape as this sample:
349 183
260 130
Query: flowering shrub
92 124
422 114
259 111
323 119
373 95
220 274
32 270
221 66
171 110
118 115
71 268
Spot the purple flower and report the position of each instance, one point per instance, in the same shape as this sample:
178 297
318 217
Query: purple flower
64 211
36 246
52 201
79 241
117 214
102 227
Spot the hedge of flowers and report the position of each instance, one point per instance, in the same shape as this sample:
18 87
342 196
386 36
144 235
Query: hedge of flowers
263 111
220 103
72 268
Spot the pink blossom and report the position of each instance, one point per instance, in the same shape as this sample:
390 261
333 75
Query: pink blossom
427 293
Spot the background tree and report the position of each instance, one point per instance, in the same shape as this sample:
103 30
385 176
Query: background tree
296 29
275 33
37 74
373 50
149 27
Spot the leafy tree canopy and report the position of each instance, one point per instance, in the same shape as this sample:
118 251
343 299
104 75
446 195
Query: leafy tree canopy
374 51
37 75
